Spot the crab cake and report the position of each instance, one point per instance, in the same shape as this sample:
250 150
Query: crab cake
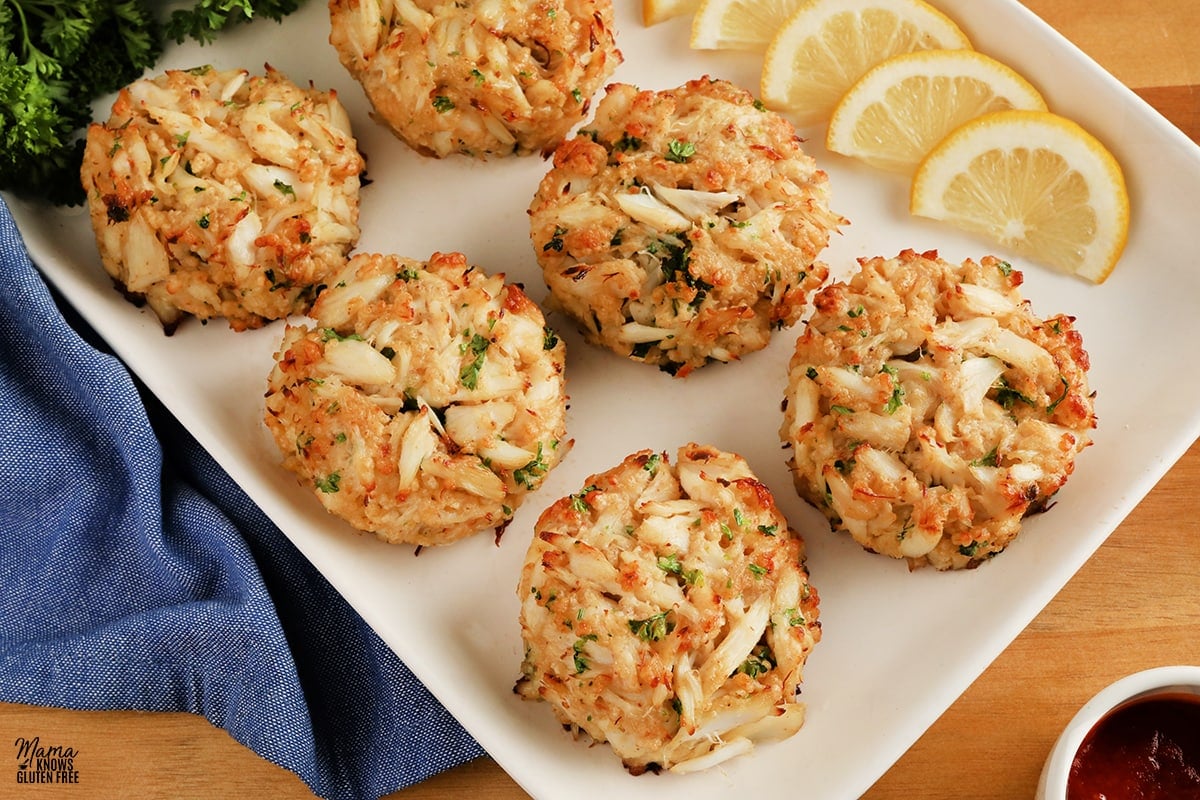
683 226
667 610
929 411
426 402
477 77
223 194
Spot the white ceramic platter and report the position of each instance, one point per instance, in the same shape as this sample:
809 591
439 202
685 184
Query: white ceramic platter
898 647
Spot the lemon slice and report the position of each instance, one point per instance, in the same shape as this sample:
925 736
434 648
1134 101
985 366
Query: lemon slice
827 45
656 11
739 24
1034 182
901 108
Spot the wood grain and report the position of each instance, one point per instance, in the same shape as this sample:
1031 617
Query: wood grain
1134 605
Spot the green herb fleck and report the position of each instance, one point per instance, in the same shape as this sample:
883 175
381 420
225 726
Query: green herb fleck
556 242
476 347
675 259
285 189
897 399
627 142
527 475
989 460
758 662
680 151
653 628
581 663
442 104
329 334
329 484
1066 390
579 501
1007 396
652 463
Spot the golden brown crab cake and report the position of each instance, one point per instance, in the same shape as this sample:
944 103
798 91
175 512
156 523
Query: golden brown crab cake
223 194
477 77
426 402
683 225
928 410
666 609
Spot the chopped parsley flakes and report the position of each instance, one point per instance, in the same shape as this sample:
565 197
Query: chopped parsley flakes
653 628
527 475
476 346
758 662
581 663
680 151
556 242
652 463
579 501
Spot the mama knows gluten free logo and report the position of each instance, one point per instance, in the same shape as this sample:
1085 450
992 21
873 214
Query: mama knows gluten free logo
39 763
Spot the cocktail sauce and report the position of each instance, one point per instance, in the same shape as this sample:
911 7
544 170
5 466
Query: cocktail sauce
1147 749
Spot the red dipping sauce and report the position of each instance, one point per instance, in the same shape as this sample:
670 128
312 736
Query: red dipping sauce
1147 749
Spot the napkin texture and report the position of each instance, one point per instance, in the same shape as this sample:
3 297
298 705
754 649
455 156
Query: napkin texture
136 575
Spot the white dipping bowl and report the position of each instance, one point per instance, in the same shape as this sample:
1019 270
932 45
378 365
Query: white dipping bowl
1139 685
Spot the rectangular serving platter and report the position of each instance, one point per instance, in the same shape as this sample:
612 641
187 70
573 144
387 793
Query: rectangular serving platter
898 647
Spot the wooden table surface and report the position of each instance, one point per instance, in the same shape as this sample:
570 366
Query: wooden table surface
1134 605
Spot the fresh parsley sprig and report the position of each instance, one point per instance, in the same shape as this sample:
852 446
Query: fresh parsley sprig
57 56
207 18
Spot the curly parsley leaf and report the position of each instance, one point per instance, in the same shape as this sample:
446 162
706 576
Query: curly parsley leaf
58 56
207 18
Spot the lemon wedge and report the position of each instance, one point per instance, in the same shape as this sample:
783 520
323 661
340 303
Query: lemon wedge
739 24
894 115
1031 181
656 11
827 45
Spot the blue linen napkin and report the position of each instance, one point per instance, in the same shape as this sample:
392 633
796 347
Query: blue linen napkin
136 575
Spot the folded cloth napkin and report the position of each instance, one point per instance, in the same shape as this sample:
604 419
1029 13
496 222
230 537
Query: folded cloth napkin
136 575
